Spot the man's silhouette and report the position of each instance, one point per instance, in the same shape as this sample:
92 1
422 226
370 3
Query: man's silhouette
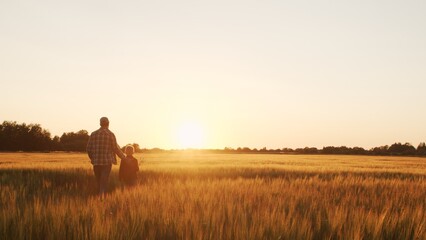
102 148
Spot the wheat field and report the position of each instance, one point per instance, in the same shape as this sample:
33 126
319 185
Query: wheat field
215 196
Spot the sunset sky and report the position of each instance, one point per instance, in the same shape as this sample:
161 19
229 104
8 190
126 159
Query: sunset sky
211 74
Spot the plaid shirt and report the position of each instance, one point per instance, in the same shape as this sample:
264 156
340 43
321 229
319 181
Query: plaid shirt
102 147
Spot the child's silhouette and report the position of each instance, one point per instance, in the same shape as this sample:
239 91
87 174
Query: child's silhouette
129 167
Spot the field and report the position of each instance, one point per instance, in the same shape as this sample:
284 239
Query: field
215 196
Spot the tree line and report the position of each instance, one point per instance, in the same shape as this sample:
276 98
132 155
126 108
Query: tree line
32 137
396 149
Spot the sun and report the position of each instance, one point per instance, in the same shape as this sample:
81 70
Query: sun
190 135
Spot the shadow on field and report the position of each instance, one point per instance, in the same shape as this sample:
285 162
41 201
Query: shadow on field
49 183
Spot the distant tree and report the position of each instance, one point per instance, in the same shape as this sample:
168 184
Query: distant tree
56 144
277 150
421 149
8 136
37 139
306 150
287 150
402 149
298 150
359 151
329 150
246 150
75 141
343 150
310 150
383 150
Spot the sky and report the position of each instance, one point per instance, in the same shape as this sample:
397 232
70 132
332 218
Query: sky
215 74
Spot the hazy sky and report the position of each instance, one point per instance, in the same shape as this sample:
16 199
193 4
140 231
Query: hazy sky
243 73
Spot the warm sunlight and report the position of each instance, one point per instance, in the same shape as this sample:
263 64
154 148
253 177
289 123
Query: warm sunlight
191 135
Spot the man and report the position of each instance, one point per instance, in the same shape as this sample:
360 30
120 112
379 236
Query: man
102 148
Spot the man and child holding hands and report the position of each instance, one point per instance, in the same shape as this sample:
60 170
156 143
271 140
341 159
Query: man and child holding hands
102 148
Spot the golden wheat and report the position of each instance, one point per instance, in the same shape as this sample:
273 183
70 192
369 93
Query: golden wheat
216 196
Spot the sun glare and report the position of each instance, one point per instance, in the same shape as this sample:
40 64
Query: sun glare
190 135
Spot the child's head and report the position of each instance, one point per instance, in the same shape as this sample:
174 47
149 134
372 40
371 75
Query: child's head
129 150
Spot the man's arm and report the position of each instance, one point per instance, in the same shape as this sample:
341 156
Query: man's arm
116 148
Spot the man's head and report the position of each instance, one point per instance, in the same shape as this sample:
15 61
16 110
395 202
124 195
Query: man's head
104 122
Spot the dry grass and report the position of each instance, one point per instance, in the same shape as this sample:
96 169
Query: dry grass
214 196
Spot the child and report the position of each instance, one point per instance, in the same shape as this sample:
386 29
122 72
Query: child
128 167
